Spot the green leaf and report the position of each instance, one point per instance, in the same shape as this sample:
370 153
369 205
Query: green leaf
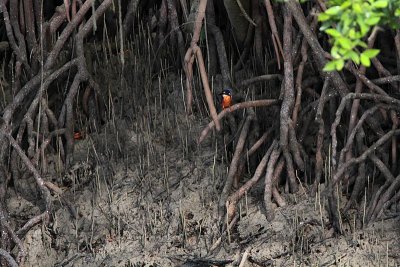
339 64
380 4
330 66
333 10
365 60
353 34
333 33
370 53
363 27
397 12
353 56
323 17
346 19
342 51
357 8
325 25
372 21
345 43
345 5
362 44
334 52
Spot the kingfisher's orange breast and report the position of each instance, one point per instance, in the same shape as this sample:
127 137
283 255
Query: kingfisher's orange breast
226 101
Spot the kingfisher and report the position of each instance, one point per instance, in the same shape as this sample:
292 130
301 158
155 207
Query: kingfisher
226 98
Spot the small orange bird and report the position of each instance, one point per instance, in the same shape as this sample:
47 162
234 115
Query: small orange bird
226 98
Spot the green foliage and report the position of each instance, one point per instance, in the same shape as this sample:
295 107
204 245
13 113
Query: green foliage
348 22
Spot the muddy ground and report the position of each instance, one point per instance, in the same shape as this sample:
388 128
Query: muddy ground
146 195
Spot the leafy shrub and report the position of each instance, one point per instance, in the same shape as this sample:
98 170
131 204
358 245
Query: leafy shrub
349 21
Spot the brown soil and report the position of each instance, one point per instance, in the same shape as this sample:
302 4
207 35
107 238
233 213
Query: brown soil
147 195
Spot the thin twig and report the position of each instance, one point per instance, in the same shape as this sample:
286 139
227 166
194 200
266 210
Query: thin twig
245 15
